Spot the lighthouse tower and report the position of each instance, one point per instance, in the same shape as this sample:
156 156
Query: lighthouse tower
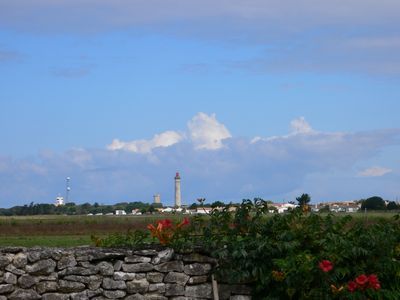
177 190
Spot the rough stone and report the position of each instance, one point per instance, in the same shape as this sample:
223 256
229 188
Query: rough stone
20 260
114 294
197 269
95 282
46 286
200 291
197 279
173 289
55 296
154 297
118 265
21 294
170 266
110 284
124 276
105 268
157 288
66 262
51 277
33 256
136 297
5 260
84 271
6 288
79 296
155 277
14 270
146 252
175 277
137 286
10 278
77 278
3 298
42 267
70 286
139 267
26 281
94 293
137 259
140 276
163 256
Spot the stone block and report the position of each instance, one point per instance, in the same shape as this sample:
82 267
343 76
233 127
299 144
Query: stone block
139 267
176 277
114 294
170 266
174 289
197 269
155 277
137 286
110 284
46 286
26 281
163 256
137 259
42 267
21 294
105 268
66 262
70 286
199 291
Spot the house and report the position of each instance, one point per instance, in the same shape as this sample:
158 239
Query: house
120 212
282 207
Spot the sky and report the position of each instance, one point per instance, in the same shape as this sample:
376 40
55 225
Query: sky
245 98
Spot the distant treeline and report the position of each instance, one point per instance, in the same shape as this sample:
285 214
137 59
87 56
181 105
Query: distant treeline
76 209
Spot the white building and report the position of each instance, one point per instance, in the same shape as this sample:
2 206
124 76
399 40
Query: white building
59 201
120 212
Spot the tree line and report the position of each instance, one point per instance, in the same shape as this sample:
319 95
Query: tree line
76 209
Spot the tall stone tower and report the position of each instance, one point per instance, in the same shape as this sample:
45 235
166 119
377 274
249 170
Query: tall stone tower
177 190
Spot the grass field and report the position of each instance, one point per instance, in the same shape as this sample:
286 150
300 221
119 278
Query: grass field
68 231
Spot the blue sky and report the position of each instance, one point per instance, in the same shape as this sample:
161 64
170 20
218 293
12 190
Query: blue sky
245 98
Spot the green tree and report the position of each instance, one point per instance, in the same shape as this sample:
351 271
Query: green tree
392 205
303 201
373 203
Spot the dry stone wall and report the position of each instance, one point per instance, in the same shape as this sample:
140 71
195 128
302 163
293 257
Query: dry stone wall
99 273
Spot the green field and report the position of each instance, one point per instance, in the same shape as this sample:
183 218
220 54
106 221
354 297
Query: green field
68 231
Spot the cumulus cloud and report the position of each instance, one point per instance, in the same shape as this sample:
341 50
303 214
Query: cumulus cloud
374 172
300 126
165 139
206 132
277 168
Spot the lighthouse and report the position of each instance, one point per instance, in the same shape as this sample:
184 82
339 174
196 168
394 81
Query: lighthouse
177 190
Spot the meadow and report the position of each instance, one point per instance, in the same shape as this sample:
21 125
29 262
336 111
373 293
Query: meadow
68 231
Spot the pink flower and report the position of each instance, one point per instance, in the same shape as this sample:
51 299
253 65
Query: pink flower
325 265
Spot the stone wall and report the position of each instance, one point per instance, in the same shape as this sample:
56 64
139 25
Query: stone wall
99 273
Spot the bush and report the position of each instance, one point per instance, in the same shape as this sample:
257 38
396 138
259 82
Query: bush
296 255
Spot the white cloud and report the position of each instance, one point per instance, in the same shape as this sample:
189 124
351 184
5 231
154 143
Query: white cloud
206 132
300 126
165 139
374 172
321 163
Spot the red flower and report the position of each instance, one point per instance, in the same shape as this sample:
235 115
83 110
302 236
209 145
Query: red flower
374 282
166 223
351 286
325 265
362 280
